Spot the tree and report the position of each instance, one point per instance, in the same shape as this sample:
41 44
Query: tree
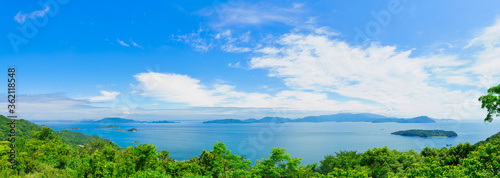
491 102
221 163
279 164
327 164
45 134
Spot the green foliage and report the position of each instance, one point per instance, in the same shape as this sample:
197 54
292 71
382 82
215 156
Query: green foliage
484 162
76 138
489 139
342 160
491 102
456 153
279 164
434 152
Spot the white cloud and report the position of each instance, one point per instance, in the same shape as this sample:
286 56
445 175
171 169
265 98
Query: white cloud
234 49
176 88
135 44
488 37
235 65
230 42
21 17
487 58
105 96
242 13
383 74
122 43
298 5
459 80
198 42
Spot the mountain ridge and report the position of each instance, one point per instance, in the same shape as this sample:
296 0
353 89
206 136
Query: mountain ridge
340 117
118 120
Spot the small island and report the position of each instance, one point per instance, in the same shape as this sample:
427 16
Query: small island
164 121
73 128
426 133
129 130
117 120
108 127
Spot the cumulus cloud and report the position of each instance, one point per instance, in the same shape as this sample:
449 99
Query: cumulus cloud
178 88
382 74
105 96
21 17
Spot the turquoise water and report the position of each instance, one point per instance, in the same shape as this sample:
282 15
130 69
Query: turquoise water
309 141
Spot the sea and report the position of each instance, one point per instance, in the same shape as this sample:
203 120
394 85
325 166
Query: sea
309 141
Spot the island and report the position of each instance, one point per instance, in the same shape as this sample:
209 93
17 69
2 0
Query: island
164 121
73 128
117 120
107 127
341 117
129 130
426 133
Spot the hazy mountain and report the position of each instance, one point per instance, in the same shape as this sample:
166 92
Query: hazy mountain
341 117
118 120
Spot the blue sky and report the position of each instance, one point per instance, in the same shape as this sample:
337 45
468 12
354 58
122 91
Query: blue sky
199 60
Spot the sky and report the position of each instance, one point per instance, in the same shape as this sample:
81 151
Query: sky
203 60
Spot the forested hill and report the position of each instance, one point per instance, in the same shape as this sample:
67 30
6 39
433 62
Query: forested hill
489 139
341 117
25 128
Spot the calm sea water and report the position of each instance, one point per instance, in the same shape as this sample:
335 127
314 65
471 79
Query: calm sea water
309 141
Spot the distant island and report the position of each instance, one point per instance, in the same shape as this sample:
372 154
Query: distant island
73 128
165 121
426 133
129 130
107 127
341 117
117 120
